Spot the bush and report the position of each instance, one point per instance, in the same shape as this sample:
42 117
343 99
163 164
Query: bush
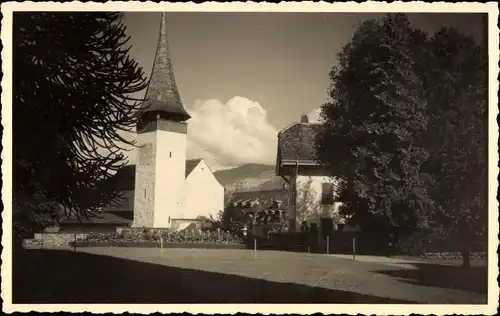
280 240
411 245
454 255
434 241
131 235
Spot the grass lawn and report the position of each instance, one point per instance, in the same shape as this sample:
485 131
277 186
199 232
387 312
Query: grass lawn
133 275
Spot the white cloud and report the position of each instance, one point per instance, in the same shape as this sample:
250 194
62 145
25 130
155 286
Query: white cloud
228 134
314 116
231 133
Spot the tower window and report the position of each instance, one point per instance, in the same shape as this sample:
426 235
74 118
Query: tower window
170 154
144 192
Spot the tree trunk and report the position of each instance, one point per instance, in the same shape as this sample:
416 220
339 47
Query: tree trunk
465 258
464 239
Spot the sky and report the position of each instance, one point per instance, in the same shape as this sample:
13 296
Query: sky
245 76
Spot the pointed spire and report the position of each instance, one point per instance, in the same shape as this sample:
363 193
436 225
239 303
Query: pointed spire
162 94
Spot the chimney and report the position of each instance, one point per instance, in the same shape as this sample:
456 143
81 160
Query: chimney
304 119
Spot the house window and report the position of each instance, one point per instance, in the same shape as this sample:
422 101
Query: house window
327 194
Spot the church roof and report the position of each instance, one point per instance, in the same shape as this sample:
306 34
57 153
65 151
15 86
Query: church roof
297 142
125 178
162 94
104 217
190 165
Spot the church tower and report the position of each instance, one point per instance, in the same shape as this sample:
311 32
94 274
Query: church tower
161 137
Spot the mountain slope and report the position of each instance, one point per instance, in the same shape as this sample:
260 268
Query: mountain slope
250 177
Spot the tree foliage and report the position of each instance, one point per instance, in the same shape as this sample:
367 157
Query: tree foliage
406 129
457 137
72 85
373 124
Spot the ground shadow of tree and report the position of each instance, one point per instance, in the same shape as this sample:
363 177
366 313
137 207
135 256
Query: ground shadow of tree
474 279
57 276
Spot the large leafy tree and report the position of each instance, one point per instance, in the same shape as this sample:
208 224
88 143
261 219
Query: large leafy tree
457 93
373 125
72 86
406 130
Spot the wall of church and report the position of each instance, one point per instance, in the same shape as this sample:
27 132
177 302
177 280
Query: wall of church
170 177
204 194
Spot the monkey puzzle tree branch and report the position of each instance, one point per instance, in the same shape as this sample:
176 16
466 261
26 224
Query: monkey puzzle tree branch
73 94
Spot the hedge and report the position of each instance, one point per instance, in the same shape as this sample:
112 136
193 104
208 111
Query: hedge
151 236
454 255
127 244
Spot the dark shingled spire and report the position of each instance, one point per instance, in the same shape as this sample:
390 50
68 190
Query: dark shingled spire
162 95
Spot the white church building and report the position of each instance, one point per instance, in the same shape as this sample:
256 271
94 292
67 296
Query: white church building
164 191
163 188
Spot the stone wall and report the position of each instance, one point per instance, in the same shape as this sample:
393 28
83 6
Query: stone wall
48 240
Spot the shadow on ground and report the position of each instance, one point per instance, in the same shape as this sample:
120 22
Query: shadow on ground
56 276
474 279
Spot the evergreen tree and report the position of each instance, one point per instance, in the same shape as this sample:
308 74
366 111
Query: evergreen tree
72 86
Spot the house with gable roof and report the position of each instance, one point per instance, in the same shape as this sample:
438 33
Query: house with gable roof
312 189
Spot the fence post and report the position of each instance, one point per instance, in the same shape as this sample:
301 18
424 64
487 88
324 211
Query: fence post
161 246
74 244
327 244
353 248
255 248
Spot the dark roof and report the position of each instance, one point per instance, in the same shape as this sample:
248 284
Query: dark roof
190 165
297 142
261 207
259 200
124 179
269 217
124 203
162 94
110 218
